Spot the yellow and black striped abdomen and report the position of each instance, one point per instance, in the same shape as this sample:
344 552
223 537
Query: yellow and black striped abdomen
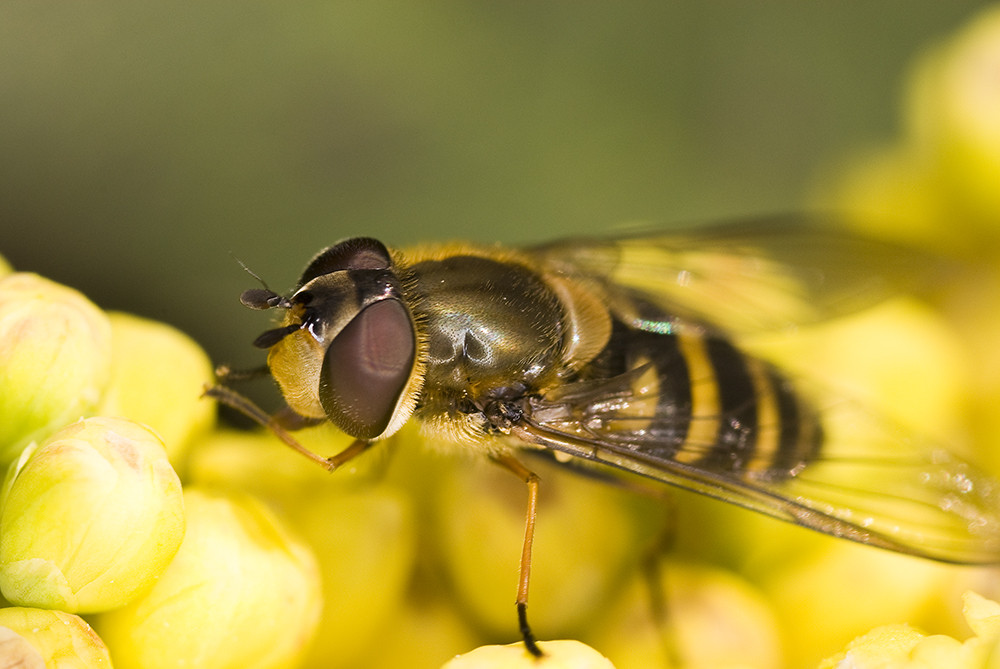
698 400
745 416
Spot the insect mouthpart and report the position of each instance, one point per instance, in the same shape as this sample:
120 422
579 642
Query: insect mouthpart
272 337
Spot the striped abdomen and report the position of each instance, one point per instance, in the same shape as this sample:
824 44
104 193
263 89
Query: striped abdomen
696 399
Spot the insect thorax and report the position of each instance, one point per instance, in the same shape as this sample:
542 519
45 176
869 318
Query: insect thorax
494 330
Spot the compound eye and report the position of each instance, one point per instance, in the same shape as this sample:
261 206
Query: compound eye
357 253
366 368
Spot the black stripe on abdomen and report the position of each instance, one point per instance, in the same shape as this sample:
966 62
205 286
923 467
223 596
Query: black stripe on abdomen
737 431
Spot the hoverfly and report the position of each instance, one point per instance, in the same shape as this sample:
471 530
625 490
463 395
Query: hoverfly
618 352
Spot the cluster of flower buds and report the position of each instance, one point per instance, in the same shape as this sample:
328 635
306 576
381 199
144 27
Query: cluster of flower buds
205 569
937 187
903 647
134 531
97 411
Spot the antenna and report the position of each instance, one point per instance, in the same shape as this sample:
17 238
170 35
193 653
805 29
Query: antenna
260 298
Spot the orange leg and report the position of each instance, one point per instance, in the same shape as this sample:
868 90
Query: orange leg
529 477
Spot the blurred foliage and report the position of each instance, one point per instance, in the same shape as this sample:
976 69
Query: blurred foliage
143 143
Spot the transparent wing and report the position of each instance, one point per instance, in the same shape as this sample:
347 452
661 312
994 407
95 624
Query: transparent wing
870 482
760 275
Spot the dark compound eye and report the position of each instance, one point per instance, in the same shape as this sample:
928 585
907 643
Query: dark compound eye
357 253
366 368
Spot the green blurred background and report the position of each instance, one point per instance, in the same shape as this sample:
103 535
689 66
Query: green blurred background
143 143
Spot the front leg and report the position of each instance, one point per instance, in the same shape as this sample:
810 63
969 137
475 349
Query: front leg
281 422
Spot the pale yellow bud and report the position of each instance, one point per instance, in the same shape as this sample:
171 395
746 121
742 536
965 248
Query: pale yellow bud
848 589
157 377
563 654
902 647
55 359
241 593
578 559
888 646
362 531
954 114
89 518
982 615
431 624
16 652
899 358
712 618
55 639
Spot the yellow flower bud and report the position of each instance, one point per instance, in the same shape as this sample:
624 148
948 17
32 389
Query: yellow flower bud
711 618
157 377
241 593
5 267
982 615
362 532
888 193
902 647
579 558
57 639
943 651
429 623
55 359
365 544
89 518
899 359
15 651
888 646
954 114
563 654
839 593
